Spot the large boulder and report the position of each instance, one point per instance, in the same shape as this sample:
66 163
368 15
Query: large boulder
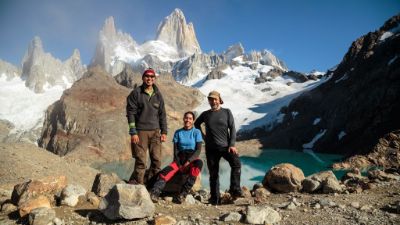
284 178
125 201
104 182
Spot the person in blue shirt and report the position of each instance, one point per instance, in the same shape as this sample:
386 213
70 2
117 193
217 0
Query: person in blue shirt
187 147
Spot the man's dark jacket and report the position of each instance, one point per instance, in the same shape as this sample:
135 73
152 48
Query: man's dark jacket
145 111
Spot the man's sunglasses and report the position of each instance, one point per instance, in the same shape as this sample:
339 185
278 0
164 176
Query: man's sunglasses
149 76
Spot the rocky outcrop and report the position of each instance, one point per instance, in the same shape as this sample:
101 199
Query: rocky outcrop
9 70
175 32
358 104
296 76
88 123
41 70
217 73
191 69
386 154
233 51
265 57
268 76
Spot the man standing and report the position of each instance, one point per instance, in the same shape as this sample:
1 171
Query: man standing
220 140
147 120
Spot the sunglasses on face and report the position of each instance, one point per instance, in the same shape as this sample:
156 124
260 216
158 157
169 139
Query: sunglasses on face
149 76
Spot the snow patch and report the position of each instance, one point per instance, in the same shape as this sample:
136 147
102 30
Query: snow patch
344 77
341 135
310 144
390 33
316 121
294 114
23 107
250 104
392 60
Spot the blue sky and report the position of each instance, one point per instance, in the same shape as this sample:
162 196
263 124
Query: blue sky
305 34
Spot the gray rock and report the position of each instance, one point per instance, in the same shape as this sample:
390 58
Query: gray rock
71 193
127 202
331 185
216 73
41 216
189 200
104 182
262 215
310 185
231 217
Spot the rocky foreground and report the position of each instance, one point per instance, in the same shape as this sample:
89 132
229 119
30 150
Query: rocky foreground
44 189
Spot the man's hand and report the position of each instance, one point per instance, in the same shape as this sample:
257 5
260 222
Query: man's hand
233 150
163 137
135 139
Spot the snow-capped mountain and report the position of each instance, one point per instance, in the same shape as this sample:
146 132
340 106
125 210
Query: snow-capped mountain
252 79
175 50
41 70
253 105
175 40
191 70
26 93
176 33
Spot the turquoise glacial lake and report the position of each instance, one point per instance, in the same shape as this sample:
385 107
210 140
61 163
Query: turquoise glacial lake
253 168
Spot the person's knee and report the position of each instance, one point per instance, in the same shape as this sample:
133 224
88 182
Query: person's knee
198 163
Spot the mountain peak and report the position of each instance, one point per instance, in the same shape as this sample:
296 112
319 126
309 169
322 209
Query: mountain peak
108 29
174 31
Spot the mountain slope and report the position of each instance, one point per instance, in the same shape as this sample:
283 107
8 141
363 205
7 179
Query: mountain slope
356 107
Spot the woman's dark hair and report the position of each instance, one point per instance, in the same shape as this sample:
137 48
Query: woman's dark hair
189 112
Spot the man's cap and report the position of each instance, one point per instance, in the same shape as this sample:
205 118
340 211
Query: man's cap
149 71
216 95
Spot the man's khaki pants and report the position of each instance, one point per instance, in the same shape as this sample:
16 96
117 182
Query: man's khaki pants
147 140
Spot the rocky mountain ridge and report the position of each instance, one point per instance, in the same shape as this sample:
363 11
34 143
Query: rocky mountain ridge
175 50
357 106
41 69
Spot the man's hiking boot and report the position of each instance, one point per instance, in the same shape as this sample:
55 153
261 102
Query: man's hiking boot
236 193
214 201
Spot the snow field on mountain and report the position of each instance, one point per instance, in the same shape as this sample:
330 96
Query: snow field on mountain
253 105
23 107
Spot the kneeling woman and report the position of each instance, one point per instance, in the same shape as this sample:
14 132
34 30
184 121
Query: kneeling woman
187 147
